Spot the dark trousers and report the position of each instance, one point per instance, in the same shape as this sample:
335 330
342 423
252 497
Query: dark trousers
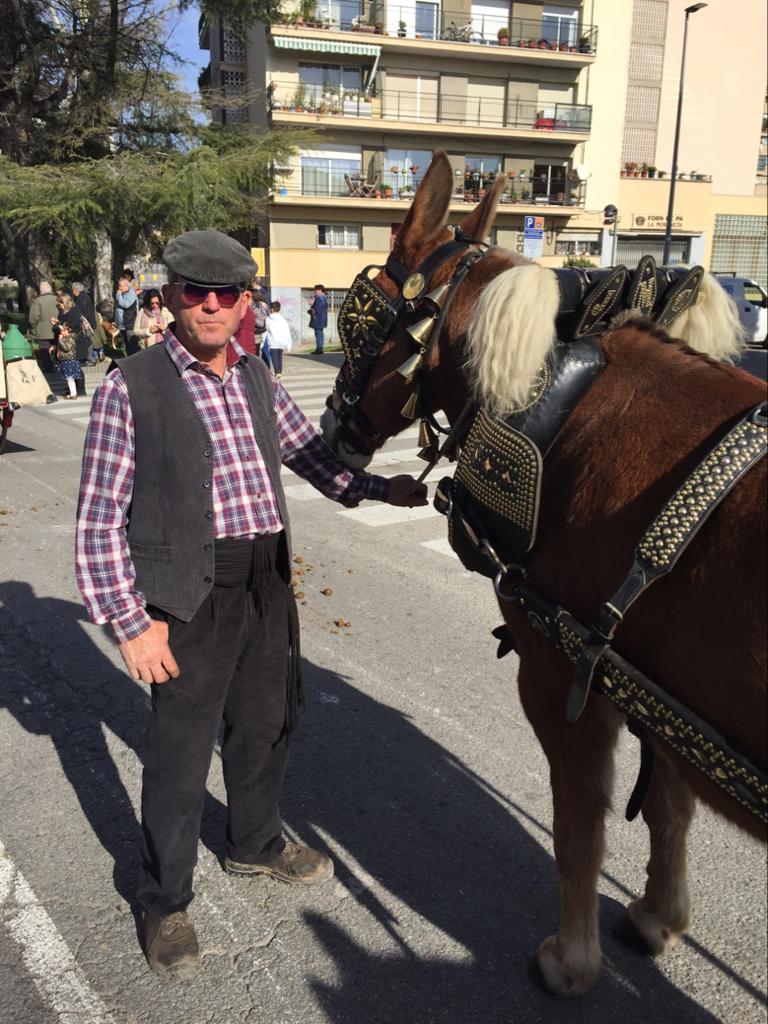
233 657
276 355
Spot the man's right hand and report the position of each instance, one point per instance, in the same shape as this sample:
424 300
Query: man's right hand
148 657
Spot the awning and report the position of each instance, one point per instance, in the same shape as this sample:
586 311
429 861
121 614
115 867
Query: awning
326 46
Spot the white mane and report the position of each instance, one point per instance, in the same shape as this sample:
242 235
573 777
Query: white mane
711 326
513 329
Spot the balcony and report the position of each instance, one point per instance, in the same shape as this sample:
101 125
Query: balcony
429 23
526 193
406 111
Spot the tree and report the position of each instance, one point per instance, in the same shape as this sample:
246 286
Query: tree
97 138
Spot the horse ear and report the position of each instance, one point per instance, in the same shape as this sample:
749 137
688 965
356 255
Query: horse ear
478 223
429 209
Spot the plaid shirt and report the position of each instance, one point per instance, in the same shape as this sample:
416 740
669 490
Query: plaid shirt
244 500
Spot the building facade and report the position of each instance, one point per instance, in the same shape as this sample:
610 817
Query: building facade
557 98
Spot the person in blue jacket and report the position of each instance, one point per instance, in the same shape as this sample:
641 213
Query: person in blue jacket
318 317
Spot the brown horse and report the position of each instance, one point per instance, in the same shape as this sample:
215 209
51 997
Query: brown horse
700 632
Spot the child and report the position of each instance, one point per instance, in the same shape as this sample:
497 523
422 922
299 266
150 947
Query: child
278 337
66 361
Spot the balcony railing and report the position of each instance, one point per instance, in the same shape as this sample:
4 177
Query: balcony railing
428 21
531 190
397 105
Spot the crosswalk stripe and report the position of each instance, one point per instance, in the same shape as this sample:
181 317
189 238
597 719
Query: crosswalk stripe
388 515
60 981
442 546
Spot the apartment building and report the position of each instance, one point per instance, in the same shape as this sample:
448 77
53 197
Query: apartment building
557 98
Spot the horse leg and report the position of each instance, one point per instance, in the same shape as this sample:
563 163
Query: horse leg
663 913
581 772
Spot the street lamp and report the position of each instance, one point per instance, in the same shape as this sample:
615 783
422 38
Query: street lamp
668 231
611 216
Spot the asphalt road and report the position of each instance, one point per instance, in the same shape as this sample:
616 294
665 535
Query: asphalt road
414 767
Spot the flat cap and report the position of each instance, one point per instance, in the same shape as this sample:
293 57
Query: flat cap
209 258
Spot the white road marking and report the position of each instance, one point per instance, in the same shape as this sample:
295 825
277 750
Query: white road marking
441 546
60 982
388 515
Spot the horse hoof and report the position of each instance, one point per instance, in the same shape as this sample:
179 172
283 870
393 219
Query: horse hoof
652 935
567 974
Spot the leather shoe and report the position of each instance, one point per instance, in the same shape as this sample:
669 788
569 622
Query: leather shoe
170 944
296 865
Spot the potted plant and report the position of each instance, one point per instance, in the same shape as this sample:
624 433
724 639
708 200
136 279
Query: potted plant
643 170
503 36
299 97
378 28
585 45
526 195
386 191
651 171
661 174
406 192
401 28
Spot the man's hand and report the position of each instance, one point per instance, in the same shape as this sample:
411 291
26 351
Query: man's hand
405 490
148 657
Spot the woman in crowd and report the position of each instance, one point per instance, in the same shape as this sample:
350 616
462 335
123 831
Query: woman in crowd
152 320
67 362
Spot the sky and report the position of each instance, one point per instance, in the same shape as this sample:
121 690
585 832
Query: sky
184 39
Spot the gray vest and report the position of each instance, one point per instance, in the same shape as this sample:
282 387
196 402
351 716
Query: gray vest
170 521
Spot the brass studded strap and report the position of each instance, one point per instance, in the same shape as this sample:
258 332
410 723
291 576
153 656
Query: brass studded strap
669 535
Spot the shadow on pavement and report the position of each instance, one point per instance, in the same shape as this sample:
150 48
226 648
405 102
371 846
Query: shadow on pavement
448 846
443 842
56 682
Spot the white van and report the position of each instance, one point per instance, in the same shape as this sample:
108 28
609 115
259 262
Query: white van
752 305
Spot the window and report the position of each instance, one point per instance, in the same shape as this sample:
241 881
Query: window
329 83
404 168
475 163
550 181
426 19
560 24
339 236
577 243
323 171
340 13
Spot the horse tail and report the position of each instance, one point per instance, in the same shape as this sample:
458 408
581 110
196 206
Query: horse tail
711 326
512 331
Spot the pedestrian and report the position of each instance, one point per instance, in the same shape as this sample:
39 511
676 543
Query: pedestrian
107 333
318 318
183 546
152 319
42 312
69 317
86 325
126 311
260 308
278 336
67 363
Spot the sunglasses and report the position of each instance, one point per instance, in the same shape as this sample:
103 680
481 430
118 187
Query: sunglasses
195 294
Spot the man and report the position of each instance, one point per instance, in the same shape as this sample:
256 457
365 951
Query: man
318 318
183 546
41 314
126 311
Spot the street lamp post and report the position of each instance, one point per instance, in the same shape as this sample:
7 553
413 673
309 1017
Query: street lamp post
668 231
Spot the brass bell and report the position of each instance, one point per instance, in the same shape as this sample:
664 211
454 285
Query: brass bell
411 366
421 331
427 435
438 295
411 408
414 286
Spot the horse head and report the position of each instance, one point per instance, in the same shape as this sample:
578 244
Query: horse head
416 365
449 319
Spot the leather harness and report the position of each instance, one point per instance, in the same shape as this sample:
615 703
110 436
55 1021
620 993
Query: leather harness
492 502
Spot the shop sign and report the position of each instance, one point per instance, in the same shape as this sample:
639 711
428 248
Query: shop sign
533 237
656 222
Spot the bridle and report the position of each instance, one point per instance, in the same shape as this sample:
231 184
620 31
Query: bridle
367 318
